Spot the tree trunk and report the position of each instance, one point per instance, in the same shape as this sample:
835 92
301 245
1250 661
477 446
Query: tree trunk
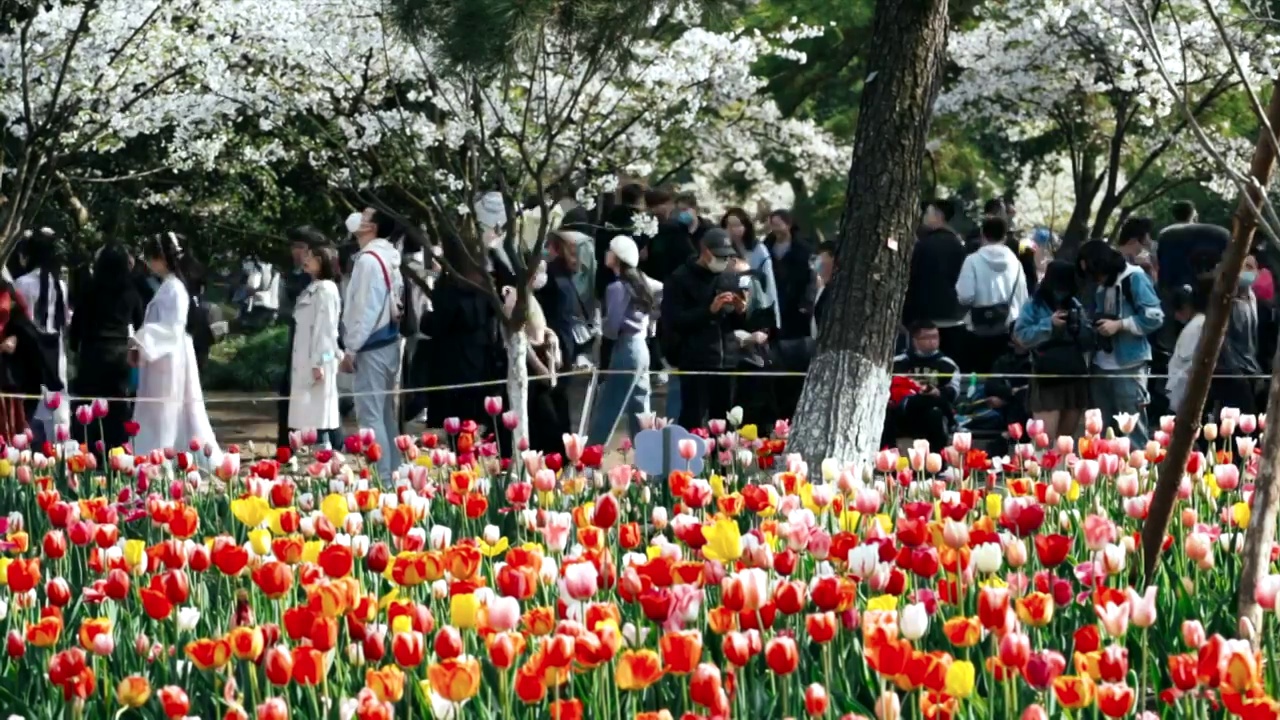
841 411
1187 425
518 383
1086 189
1261 532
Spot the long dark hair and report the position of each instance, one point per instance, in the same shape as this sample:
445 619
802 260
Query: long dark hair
749 240
633 279
45 259
1097 258
167 247
786 217
1059 277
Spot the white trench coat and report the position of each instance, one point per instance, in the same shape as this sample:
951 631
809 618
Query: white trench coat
314 405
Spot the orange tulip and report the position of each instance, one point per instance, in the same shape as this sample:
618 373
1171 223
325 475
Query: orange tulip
722 620
539 621
247 643
133 691
45 632
463 561
209 654
288 549
1239 666
387 683
528 684
504 648
566 709
91 628
308 666
637 669
455 680
681 651
1035 609
1073 691
23 574
963 632
185 522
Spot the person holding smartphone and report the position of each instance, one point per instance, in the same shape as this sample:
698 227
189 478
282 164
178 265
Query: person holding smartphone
699 314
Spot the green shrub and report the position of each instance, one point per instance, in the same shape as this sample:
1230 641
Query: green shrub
249 363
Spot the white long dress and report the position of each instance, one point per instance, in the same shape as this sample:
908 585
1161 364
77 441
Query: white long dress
170 404
28 286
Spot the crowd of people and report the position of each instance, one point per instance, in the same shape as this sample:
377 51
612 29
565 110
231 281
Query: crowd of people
998 331
995 329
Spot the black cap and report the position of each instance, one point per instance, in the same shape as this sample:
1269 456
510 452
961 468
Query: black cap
717 241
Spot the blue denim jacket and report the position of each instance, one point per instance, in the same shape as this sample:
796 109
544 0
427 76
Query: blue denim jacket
1131 348
1035 325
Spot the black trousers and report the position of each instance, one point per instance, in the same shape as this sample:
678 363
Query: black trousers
922 416
955 342
1231 392
982 352
703 398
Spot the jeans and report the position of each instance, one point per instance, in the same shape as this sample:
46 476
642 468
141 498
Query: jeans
624 393
1122 391
331 438
673 398
374 385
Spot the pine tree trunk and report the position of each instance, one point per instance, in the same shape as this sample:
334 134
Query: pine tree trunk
1187 426
841 411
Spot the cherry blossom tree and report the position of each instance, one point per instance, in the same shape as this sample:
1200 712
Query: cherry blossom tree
1071 78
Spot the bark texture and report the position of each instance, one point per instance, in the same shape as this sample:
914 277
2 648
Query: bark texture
518 383
1261 532
842 408
1187 426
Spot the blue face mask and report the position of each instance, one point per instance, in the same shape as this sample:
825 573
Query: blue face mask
685 217
1248 278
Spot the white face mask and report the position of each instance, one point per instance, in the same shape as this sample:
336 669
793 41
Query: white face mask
718 265
354 221
539 281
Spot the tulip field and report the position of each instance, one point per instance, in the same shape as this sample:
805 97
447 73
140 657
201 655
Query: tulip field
940 584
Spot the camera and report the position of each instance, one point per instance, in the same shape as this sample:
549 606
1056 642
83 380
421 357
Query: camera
1105 344
1073 320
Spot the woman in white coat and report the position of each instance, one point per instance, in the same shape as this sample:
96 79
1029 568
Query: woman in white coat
313 367
169 407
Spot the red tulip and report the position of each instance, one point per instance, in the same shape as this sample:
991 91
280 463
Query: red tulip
781 655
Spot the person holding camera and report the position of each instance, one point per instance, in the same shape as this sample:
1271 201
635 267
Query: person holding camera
1056 330
1125 311
699 314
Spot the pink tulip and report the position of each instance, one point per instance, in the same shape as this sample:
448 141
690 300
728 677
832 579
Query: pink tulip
1127 485
1114 618
1098 532
962 442
1198 545
888 706
452 425
1142 608
716 427
1015 431
866 501
687 448
1193 635
53 400
1093 422
1227 476
544 480
574 444
1065 444
1035 427
1248 424
510 419
1086 472
781 429
493 405
61 433
886 461
581 580
1034 712
84 414
1266 592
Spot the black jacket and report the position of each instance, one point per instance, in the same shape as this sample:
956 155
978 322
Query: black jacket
935 266
561 307
794 277
1181 245
703 341
668 251
937 370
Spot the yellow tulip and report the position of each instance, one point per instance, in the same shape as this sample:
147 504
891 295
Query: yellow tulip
1212 483
250 510
6 468
994 505
887 603
495 549
334 507
886 523
4 570
750 433
724 541
463 610
423 460
311 551
402 624
135 552
260 541
960 677
849 521
1240 513
717 485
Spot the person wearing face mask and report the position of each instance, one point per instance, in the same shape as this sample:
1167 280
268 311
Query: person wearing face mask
1232 385
1054 327
1124 310
793 273
698 319
372 330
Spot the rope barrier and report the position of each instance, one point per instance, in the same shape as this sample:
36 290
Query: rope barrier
227 399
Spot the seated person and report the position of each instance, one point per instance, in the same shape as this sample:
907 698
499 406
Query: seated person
929 413
1000 400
